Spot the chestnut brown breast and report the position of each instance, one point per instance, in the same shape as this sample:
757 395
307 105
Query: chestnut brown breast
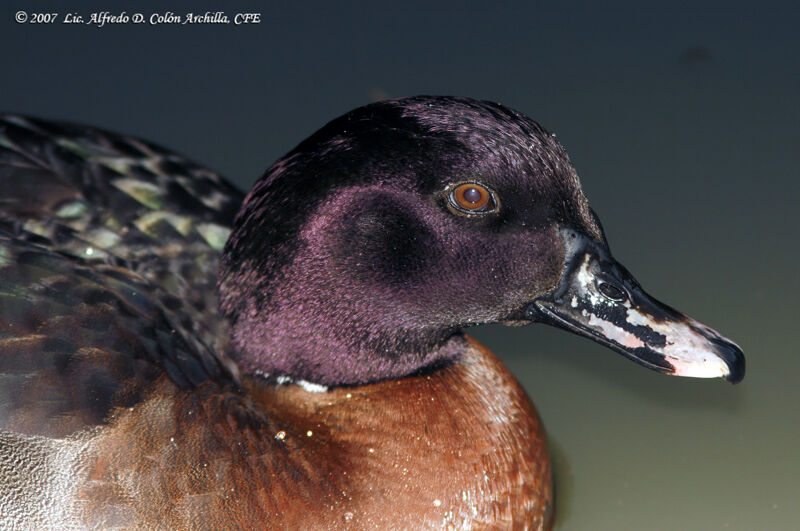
461 446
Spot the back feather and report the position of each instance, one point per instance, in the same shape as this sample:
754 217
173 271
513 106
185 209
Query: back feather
108 256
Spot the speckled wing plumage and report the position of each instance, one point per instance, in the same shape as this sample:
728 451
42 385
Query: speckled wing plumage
108 255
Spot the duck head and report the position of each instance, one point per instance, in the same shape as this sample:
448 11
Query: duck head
362 254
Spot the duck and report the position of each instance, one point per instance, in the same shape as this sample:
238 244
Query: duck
175 354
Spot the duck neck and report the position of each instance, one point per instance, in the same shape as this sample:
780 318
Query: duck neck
308 328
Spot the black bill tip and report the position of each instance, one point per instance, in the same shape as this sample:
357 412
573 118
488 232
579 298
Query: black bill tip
733 357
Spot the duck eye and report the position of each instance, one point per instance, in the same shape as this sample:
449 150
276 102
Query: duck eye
472 198
610 291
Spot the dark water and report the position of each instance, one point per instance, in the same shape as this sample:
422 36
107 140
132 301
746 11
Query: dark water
684 124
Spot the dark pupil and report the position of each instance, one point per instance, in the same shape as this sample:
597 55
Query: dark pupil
611 291
473 195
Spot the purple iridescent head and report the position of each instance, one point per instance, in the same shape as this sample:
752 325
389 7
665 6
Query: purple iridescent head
361 254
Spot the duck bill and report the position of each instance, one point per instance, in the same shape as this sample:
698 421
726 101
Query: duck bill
597 298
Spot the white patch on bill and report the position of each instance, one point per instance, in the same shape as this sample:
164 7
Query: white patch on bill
614 333
584 276
587 285
686 349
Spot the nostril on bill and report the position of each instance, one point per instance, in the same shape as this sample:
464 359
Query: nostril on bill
612 292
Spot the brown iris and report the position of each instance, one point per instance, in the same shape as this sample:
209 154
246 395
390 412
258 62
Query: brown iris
471 198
